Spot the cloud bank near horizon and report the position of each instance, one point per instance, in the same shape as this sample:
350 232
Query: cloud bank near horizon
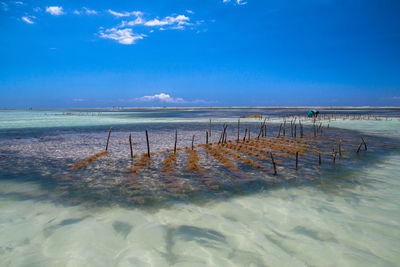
165 98
162 97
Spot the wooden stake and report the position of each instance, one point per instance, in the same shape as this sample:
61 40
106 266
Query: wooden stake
297 159
260 132
225 136
245 134
365 144
193 142
130 145
359 147
176 140
319 159
340 149
148 145
273 163
220 138
206 138
108 138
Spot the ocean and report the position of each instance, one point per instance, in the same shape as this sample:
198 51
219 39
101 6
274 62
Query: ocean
344 212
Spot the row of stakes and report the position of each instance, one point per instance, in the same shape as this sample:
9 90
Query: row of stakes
223 140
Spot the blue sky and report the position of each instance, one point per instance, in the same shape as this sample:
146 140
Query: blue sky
199 53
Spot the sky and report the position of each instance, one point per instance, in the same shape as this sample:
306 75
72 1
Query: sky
153 53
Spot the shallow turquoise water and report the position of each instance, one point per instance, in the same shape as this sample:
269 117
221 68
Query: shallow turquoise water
351 218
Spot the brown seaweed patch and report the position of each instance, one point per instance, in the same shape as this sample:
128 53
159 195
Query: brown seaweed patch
193 161
88 160
168 163
216 154
237 157
143 162
252 116
249 150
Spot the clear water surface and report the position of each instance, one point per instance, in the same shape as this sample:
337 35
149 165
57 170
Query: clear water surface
347 214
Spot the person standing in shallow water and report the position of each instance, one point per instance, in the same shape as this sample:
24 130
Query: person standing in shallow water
312 113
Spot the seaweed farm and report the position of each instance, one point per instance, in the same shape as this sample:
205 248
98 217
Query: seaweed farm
213 159
159 182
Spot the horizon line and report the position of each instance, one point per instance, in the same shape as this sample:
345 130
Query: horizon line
220 107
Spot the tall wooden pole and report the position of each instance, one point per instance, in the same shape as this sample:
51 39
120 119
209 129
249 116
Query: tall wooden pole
108 138
365 144
224 134
130 145
148 145
176 140
358 149
265 130
273 163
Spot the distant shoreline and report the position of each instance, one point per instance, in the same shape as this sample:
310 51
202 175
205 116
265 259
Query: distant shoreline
206 108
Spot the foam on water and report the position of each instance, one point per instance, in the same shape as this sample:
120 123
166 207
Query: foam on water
327 223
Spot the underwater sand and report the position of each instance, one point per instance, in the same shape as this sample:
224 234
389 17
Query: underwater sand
346 215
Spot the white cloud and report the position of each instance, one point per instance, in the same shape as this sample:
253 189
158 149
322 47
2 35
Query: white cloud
125 14
123 32
55 10
179 20
89 11
122 36
137 21
189 11
162 97
239 2
19 2
37 9
155 22
28 19
86 11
